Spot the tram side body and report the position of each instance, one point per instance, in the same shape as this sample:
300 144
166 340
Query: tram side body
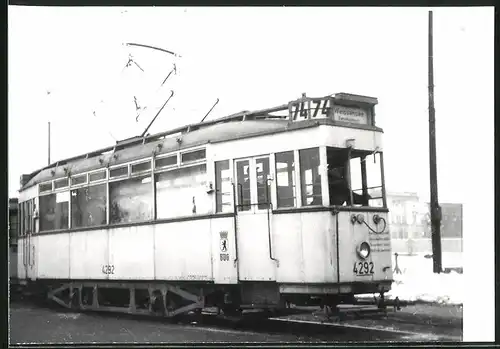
314 251
13 225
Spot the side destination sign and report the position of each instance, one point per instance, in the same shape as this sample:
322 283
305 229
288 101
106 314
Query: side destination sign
350 114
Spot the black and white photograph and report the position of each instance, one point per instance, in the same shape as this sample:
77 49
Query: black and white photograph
250 175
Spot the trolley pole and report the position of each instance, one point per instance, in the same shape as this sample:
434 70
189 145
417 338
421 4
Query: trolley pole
49 145
434 205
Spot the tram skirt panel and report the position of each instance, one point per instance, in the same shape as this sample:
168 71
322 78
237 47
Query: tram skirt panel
183 251
131 253
89 255
53 253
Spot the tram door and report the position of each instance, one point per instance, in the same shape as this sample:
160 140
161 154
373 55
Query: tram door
29 243
254 219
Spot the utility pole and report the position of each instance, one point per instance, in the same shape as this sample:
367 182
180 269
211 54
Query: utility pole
434 205
49 144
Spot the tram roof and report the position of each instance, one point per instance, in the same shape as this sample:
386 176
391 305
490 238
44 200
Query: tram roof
236 126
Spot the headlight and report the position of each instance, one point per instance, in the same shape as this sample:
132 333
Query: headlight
364 250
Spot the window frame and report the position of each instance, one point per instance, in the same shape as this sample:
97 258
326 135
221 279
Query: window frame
231 181
106 180
240 207
40 191
94 184
100 180
86 175
39 213
293 180
142 172
167 167
269 188
123 179
188 151
320 172
197 164
54 189
364 178
120 177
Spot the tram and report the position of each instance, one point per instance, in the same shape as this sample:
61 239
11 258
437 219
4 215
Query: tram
251 210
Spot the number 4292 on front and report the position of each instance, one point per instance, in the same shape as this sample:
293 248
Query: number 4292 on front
363 268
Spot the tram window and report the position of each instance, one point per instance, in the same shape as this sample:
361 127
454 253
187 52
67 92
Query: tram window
360 197
54 209
27 216
45 187
61 183
223 186
193 156
338 186
21 218
285 179
27 225
374 180
13 225
165 162
118 172
31 209
131 200
143 166
365 178
88 206
182 192
310 177
79 179
97 176
263 185
243 185
23 225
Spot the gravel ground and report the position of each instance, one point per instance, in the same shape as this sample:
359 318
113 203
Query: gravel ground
38 325
33 324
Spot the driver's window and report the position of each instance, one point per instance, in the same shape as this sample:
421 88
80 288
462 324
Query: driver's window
374 180
355 166
366 178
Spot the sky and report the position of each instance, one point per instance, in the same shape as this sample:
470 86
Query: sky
72 66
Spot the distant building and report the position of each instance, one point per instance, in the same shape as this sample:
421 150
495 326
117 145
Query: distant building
451 223
409 224
405 215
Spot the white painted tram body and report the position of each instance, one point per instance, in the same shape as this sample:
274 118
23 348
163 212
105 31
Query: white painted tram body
188 214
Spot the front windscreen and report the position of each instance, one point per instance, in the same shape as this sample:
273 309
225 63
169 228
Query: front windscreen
354 178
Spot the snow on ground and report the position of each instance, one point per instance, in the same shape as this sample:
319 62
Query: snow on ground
417 282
